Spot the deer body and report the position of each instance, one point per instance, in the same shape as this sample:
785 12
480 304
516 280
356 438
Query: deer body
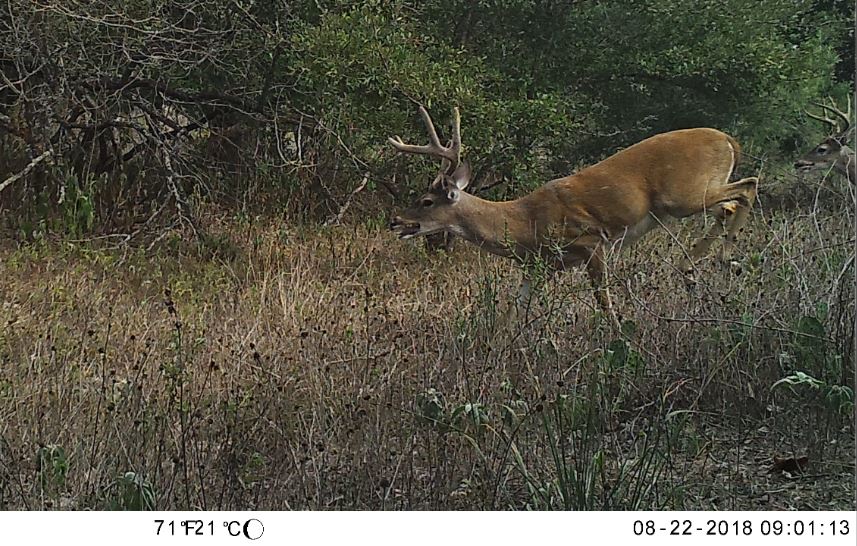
568 221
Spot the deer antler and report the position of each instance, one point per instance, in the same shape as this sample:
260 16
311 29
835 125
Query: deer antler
845 116
833 109
450 154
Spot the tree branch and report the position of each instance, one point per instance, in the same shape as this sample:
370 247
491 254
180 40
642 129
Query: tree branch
15 177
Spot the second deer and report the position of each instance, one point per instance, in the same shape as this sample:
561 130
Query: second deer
833 152
572 221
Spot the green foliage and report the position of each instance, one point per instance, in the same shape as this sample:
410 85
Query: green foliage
430 407
620 356
466 417
581 478
470 416
652 65
253 470
130 491
543 87
363 70
836 398
78 212
53 467
811 350
810 346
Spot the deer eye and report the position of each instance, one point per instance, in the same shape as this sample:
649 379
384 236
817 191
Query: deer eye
426 202
821 149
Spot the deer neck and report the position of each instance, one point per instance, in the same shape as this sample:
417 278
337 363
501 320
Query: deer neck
846 164
501 228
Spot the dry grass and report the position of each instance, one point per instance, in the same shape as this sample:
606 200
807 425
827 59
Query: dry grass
341 368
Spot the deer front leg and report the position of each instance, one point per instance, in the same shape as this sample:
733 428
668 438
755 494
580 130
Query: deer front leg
597 270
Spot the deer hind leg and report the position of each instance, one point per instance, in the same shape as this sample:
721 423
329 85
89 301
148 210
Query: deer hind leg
700 247
731 205
735 222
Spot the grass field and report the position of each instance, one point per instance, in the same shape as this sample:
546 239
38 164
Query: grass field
292 367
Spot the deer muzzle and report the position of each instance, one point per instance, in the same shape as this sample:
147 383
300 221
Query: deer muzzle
403 228
804 165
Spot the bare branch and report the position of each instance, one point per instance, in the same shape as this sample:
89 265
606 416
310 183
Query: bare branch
337 218
32 165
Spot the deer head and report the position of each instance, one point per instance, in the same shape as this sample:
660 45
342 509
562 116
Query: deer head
833 151
435 211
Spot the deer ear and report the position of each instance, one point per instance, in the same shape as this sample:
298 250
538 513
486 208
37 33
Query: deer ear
461 175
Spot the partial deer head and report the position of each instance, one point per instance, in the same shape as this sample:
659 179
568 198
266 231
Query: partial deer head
832 152
434 211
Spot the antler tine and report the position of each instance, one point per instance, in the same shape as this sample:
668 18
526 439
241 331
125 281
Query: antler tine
456 137
824 119
833 109
450 164
433 139
448 154
845 116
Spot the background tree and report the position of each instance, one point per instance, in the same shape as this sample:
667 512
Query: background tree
145 106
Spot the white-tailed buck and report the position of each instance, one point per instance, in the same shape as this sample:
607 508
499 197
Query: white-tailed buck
571 221
833 152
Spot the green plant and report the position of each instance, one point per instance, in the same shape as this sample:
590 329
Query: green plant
620 356
580 476
130 491
430 407
838 399
470 416
53 465
76 204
